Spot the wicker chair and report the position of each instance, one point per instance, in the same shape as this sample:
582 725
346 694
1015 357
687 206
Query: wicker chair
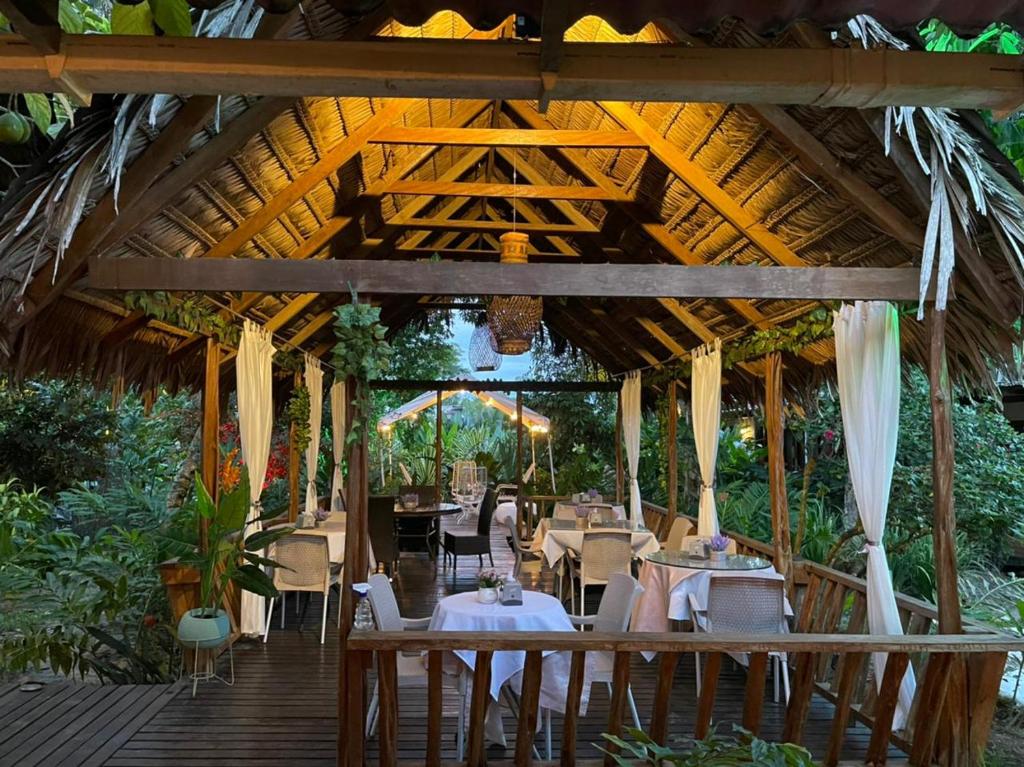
526 560
381 529
456 543
304 566
738 605
681 528
602 555
613 615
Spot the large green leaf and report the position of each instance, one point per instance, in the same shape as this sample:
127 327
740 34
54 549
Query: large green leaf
252 578
39 107
234 507
173 17
204 503
262 539
132 19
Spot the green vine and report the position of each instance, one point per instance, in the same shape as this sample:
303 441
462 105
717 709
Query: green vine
189 312
298 415
792 338
361 352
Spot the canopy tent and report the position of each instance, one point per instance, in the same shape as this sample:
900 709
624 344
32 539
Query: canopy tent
532 420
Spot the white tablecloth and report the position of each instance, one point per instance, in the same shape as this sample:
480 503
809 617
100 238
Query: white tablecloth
504 511
667 592
618 511
554 542
333 529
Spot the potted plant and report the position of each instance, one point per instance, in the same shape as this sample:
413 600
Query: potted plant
230 557
487 584
719 545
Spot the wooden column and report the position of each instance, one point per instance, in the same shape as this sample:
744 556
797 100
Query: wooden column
774 421
673 452
519 459
210 450
620 477
356 566
294 465
438 424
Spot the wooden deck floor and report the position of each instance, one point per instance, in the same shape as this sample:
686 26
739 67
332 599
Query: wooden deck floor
281 709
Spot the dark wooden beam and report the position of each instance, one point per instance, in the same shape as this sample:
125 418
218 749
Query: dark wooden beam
672 417
602 139
774 419
497 227
836 77
495 385
474 279
524 191
211 428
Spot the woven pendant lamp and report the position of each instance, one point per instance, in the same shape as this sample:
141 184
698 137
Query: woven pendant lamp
483 353
514 320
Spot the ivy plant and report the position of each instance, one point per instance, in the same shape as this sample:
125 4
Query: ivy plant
189 312
361 352
298 416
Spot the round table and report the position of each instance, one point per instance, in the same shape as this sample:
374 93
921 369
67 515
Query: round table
729 562
432 512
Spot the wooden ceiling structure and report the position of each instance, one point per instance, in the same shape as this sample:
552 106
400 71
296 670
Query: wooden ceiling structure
614 151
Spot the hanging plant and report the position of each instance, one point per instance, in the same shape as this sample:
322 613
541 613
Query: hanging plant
361 352
298 416
189 312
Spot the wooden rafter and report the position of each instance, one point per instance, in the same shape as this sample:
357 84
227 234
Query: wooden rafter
839 77
398 134
479 189
472 225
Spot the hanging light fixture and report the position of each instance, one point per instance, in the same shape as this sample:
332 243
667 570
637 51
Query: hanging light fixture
483 352
514 320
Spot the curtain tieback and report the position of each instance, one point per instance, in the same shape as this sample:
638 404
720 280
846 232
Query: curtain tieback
704 487
869 544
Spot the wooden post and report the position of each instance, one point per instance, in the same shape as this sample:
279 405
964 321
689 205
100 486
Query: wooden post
356 559
210 451
953 745
673 453
774 420
620 477
519 459
294 463
438 424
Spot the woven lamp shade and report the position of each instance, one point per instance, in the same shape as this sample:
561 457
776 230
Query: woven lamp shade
483 352
514 320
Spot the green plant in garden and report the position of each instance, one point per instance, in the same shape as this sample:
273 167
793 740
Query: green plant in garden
297 411
361 352
741 750
187 311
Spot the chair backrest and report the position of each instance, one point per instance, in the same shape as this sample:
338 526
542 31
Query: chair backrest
384 604
483 525
426 493
564 511
744 605
604 554
506 492
304 563
681 527
463 476
616 608
381 526
684 543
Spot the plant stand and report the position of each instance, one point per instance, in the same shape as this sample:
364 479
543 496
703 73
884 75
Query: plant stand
209 665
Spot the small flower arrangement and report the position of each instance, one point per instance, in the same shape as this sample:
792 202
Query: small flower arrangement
488 579
720 542
321 514
592 494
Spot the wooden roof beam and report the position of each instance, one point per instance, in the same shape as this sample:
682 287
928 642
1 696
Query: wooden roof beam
469 225
38 22
492 137
835 77
479 189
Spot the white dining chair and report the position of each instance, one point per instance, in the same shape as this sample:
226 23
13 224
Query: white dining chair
304 565
744 605
681 528
602 555
613 615
527 561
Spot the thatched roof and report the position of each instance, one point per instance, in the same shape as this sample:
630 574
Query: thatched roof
739 148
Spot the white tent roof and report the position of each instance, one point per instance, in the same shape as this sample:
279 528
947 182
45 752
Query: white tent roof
532 420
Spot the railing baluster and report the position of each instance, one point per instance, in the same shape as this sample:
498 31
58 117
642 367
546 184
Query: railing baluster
984 675
528 701
929 714
799 697
830 625
620 687
708 689
387 702
885 710
475 756
662 697
753 696
356 707
851 667
570 721
435 669
803 625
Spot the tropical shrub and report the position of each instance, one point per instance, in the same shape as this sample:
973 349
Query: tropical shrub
743 749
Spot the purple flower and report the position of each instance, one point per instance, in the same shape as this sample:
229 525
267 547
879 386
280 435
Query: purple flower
720 542
592 493
321 515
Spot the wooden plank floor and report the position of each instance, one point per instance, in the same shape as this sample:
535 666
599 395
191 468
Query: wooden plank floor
281 709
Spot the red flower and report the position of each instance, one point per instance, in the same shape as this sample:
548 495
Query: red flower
149 621
829 435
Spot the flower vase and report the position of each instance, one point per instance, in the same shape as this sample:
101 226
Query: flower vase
719 556
486 595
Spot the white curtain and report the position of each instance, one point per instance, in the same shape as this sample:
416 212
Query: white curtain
631 433
255 421
706 403
337 442
868 363
314 378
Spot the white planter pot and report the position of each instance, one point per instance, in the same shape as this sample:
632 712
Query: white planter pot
719 556
487 596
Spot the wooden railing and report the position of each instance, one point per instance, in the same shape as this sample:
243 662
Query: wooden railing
536 507
847 653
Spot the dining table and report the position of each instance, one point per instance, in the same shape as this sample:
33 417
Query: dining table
432 513
332 528
556 537
538 612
